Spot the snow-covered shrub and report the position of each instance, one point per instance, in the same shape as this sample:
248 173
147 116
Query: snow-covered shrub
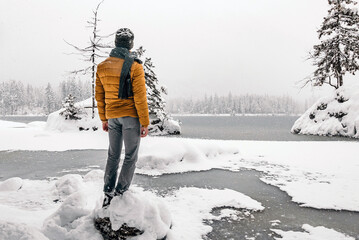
71 111
335 115
166 126
85 122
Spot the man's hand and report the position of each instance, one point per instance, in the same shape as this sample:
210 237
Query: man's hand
144 131
105 126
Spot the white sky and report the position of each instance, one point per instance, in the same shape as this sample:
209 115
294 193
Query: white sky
198 46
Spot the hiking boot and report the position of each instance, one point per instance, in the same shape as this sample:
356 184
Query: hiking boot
107 200
119 193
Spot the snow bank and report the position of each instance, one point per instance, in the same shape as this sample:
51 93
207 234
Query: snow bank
312 233
19 231
173 155
335 115
11 184
9 124
314 174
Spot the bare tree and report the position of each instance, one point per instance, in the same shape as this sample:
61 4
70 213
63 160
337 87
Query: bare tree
92 53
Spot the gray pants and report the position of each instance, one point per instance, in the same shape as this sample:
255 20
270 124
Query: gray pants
127 130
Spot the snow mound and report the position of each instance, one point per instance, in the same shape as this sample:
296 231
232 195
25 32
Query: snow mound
312 233
57 122
172 126
180 155
11 184
141 210
72 213
335 115
94 175
73 220
19 231
166 126
68 184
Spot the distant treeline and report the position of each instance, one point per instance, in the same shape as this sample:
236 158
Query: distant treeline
230 104
19 99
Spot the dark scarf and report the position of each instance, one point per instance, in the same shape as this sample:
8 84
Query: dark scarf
125 88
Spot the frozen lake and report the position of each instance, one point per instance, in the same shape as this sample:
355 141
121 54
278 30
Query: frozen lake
266 128
278 205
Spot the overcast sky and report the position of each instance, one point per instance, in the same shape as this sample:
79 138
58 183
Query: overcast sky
197 46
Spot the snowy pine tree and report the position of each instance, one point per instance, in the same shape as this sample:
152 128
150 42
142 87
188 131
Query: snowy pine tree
12 97
338 52
50 99
71 110
156 102
155 92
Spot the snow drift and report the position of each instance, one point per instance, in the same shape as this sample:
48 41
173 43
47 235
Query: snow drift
335 115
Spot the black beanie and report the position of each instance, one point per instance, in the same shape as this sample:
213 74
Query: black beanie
124 38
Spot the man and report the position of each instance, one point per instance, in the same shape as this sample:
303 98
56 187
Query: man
122 106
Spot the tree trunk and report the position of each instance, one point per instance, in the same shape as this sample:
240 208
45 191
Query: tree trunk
93 92
340 80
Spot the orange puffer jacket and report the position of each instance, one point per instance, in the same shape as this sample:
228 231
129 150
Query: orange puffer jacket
106 92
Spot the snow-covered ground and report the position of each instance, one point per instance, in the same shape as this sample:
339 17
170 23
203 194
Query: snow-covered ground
314 174
64 209
334 115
